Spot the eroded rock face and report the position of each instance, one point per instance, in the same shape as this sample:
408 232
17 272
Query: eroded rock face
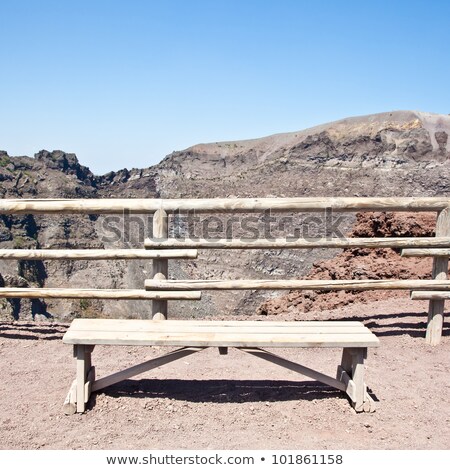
66 163
361 263
390 154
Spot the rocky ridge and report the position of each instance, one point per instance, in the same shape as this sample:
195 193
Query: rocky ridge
400 153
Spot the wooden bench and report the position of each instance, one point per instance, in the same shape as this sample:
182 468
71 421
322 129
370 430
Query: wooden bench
247 336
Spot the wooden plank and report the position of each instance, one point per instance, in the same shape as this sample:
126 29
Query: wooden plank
155 338
118 206
426 252
249 330
160 266
81 378
440 272
136 324
293 327
358 355
103 254
349 385
346 362
171 326
89 382
428 295
369 405
311 373
70 403
143 367
295 243
304 284
123 294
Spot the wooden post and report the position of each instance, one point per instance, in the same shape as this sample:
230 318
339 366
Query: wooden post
440 272
346 361
160 266
81 377
358 356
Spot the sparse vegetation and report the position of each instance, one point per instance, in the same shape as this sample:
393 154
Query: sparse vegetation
90 309
4 160
20 242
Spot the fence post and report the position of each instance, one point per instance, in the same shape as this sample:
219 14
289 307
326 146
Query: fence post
160 266
440 271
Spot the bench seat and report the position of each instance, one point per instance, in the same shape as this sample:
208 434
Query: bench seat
196 335
220 333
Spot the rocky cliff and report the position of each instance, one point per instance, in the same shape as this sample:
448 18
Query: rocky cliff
400 153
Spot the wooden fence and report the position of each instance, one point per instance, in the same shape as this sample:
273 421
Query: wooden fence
160 249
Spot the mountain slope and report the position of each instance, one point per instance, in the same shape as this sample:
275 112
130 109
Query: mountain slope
401 153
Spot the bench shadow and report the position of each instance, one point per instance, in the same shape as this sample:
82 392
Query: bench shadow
223 391
398 328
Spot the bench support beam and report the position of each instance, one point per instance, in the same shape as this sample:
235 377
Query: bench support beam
143 367
311 373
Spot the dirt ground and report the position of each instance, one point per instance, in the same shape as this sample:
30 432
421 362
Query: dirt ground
208 401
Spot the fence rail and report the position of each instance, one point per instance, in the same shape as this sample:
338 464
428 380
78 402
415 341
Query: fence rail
423 242
102 254
161 248
120 294
304 204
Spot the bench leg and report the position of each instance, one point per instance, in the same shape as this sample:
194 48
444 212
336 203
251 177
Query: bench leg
351 373
358 356
346 361
85 373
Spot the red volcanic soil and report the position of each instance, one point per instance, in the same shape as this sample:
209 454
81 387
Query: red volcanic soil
361 263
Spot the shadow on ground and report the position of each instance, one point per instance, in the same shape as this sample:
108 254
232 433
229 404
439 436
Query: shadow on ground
223 391
32 331
382 326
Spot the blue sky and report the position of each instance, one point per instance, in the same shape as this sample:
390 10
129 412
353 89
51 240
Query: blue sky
124 83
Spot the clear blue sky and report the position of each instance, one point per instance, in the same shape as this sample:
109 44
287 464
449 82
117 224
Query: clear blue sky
124 83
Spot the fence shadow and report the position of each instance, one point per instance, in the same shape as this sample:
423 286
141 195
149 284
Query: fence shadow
32 331
382 325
